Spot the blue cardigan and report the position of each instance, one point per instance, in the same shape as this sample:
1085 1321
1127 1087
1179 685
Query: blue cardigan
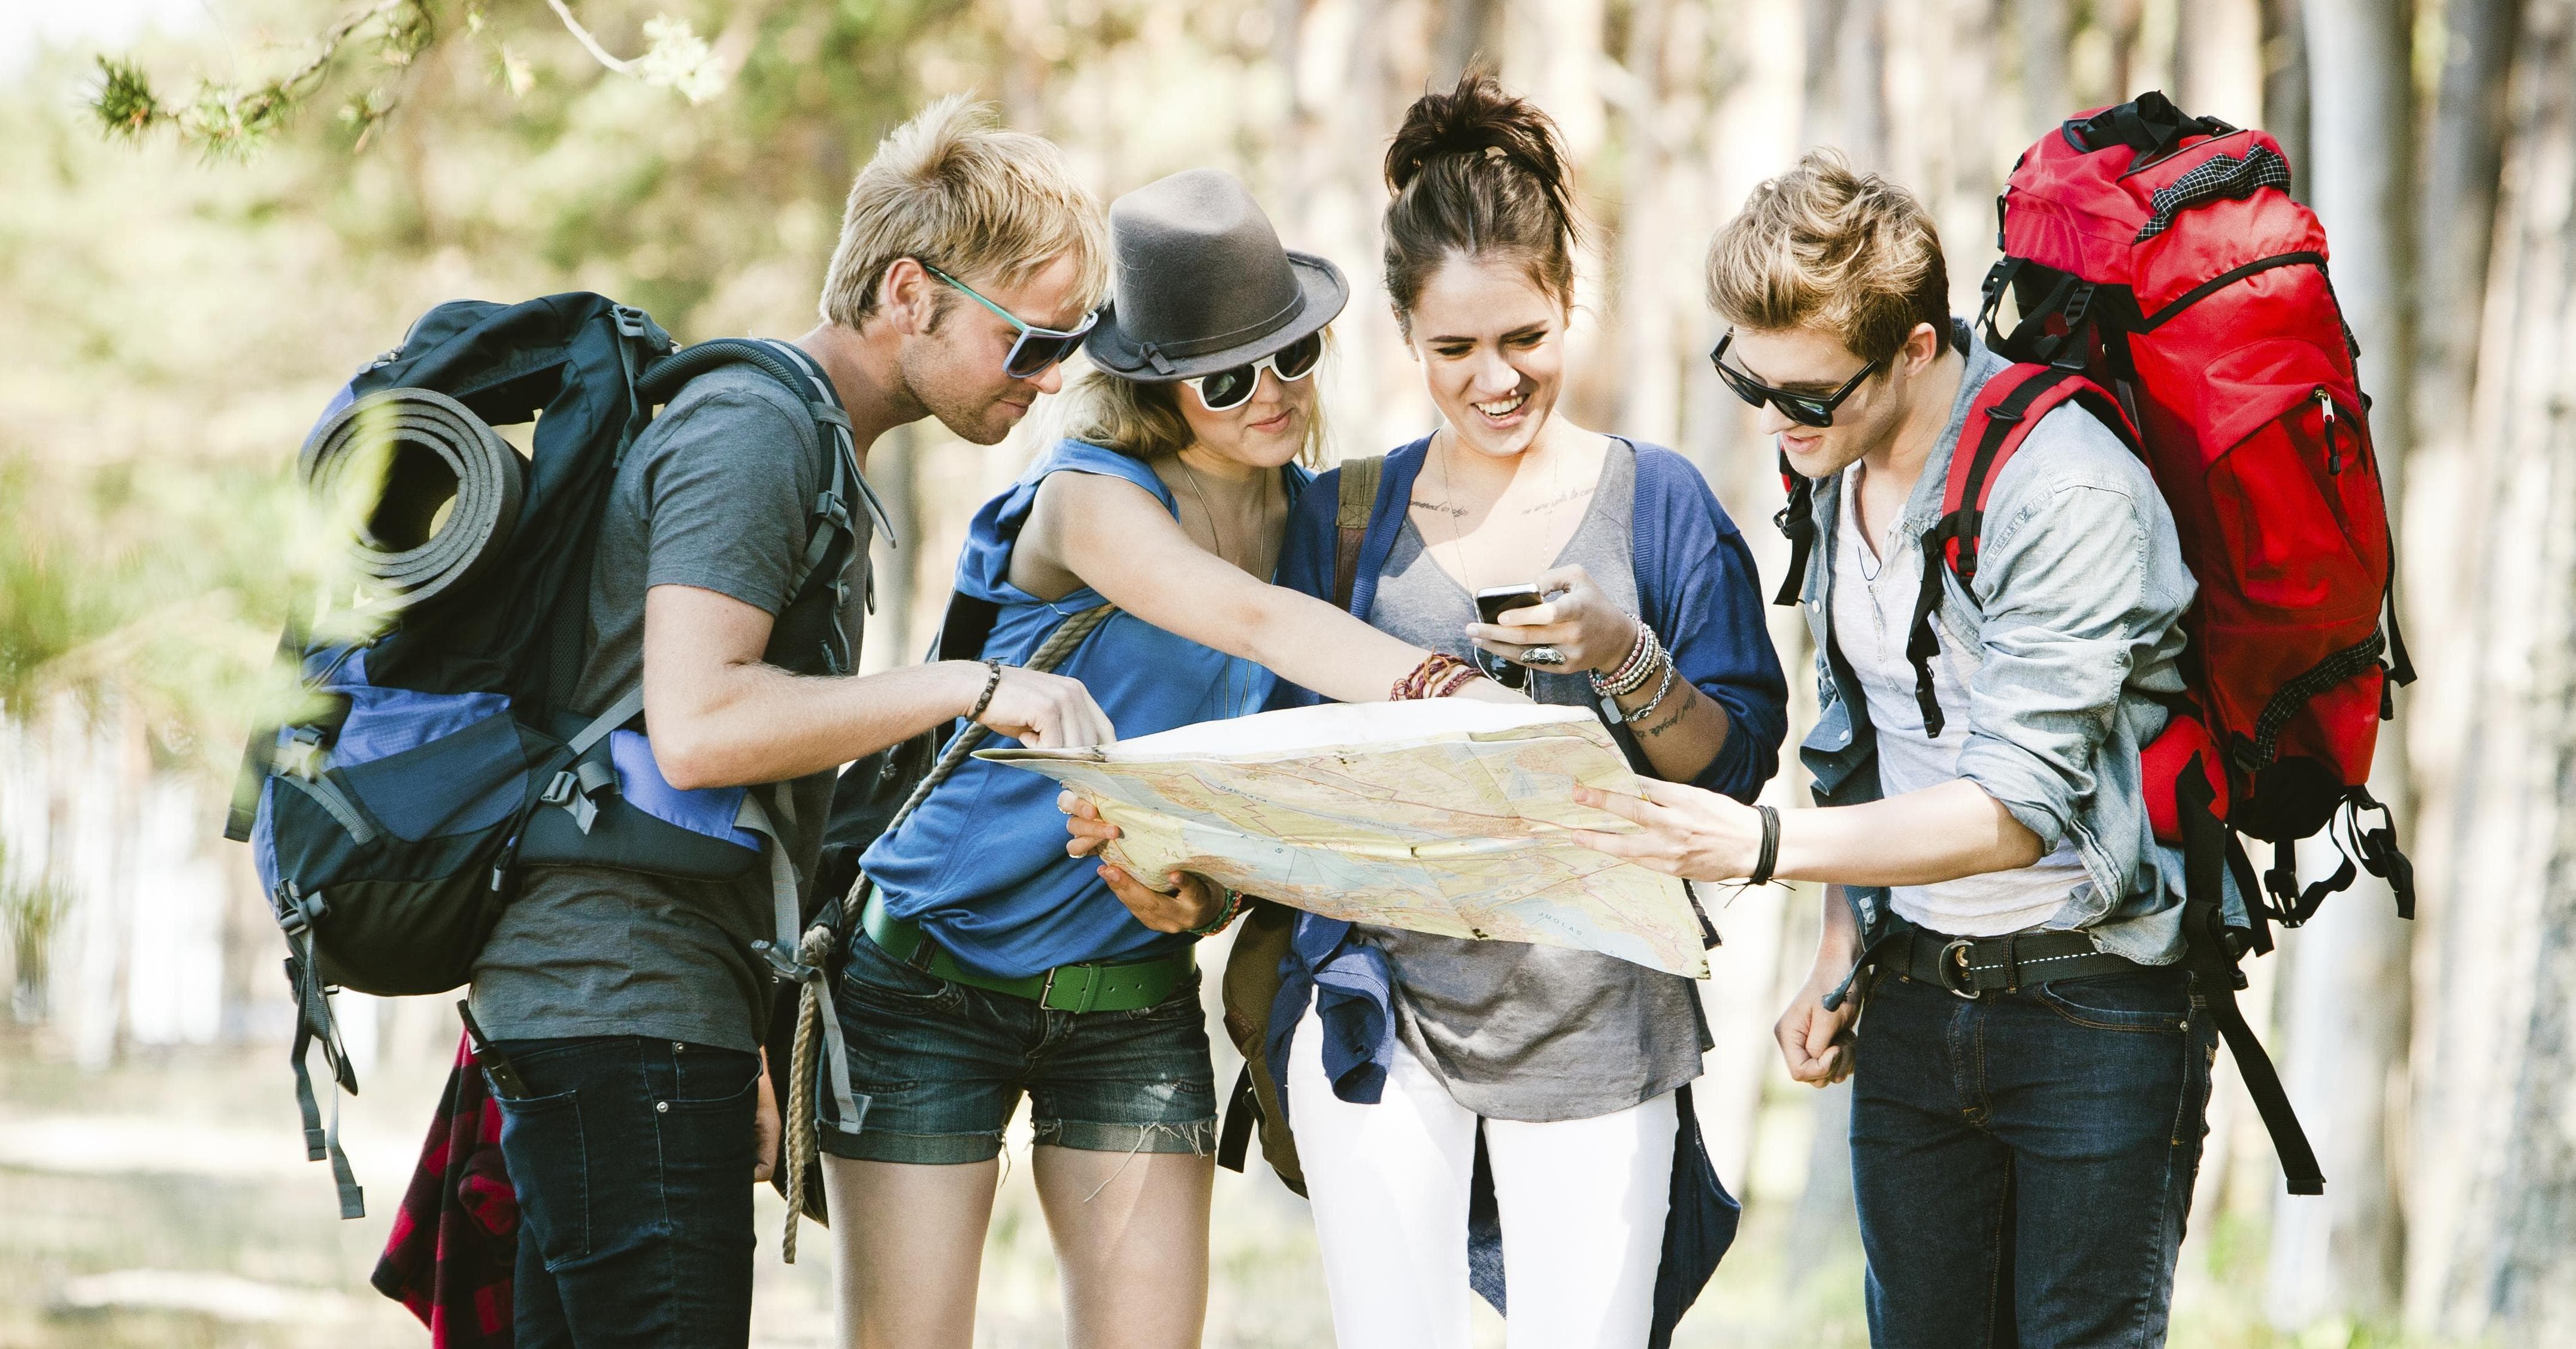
1697 588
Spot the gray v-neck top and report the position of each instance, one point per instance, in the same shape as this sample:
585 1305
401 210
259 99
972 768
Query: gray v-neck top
1517 1031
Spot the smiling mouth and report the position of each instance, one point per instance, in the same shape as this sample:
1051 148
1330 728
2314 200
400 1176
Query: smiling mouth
1500 408
1273 422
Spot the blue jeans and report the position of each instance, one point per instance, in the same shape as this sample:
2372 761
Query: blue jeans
942 1065
2023 1162
632 1159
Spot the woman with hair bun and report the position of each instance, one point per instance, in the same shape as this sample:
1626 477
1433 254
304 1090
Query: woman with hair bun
1565 1068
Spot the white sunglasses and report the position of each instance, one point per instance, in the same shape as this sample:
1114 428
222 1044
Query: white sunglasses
1232 388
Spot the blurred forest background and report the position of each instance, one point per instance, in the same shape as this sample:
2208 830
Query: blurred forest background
179 303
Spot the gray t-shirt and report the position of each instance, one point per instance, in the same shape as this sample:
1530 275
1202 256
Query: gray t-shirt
718 493
1517 1031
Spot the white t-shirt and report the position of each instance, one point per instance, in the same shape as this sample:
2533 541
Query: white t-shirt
1873 595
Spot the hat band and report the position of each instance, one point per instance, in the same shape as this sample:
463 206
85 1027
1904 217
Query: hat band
1161 354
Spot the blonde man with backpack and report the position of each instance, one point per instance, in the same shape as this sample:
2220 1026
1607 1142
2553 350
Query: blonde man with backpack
625 1007
2031 1079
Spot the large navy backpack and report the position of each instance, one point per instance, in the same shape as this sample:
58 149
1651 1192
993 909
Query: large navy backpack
438 748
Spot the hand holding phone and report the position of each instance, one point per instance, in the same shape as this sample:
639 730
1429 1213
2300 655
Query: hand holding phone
1491 605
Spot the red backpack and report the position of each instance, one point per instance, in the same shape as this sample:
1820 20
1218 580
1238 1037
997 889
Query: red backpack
2166 281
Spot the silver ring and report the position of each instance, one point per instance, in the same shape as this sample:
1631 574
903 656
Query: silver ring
1541 655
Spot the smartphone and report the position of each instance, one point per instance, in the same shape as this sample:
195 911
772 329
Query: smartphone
1491 605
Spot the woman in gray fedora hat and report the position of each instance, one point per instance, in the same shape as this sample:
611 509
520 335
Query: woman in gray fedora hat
989 962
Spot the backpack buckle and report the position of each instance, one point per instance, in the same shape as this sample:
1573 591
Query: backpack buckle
783 963
630 320
570 791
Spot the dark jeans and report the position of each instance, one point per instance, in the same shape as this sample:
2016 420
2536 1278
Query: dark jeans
2023 1162
633 1160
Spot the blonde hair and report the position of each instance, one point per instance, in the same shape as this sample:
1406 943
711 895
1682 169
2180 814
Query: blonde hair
1143 420
952 189
1823 247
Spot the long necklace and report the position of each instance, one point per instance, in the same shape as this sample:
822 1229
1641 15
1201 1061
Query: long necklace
1458 522
1226 690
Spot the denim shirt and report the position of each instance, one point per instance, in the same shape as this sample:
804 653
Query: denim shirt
2076 608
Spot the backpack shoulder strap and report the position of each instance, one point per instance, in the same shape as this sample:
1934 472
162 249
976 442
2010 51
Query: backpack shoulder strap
1998 421
1797 523
1360 479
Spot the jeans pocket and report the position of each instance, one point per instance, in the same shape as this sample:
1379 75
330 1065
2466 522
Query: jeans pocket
871 975
2151 1000
712 1131
549 1163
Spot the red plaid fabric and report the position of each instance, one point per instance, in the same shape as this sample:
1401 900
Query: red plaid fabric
455 1238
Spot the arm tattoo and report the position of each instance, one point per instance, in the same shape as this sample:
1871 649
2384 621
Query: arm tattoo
1681 710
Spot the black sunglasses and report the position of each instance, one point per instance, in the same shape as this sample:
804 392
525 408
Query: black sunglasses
1805 409
1233 387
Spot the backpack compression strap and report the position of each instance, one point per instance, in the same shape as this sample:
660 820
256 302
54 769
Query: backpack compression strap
1350 523
2000 419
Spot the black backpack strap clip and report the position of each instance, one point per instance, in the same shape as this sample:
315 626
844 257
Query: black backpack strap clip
1796 522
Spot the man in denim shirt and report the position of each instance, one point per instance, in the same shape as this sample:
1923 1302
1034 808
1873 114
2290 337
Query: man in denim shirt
2031 1080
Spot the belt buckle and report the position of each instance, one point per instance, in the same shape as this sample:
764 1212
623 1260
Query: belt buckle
1090 989
1954 958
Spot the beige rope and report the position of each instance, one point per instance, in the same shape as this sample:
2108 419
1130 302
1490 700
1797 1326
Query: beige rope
804 1136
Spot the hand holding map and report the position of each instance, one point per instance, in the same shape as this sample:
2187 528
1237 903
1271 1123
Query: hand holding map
1446 816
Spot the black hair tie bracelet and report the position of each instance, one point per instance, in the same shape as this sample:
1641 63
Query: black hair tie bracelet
1770 847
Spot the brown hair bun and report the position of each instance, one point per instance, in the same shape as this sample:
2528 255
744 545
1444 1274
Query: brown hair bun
1478 171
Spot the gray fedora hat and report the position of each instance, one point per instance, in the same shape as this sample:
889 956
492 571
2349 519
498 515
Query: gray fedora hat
1202 282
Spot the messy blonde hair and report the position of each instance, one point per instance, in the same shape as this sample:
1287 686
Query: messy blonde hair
952 189
1143 420
1826 248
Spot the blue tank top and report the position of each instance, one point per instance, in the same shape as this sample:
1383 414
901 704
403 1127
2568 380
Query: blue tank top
981 864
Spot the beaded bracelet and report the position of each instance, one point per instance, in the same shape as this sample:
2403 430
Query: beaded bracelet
991 682
1434 669
1634 669
1225 915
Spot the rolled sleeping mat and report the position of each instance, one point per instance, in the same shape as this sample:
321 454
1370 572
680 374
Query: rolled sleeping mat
451 495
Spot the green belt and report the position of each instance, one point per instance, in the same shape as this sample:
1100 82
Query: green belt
1126 986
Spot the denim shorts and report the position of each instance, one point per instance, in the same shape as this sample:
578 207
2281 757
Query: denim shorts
942 1065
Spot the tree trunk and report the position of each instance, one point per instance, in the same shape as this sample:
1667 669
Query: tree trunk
1846 80
2285 86
2502 1268
2045 101
2218 61
1649 380
1468 30
2347 1016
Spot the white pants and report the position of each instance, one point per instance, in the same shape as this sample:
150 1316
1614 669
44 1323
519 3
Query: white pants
1583 1204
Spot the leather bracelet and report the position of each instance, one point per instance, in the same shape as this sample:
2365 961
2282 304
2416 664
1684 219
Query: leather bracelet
1770 855
991 682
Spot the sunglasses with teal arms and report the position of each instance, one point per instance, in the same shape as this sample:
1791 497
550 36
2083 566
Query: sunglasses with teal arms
1037 348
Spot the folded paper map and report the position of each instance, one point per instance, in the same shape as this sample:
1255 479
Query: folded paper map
1445 816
